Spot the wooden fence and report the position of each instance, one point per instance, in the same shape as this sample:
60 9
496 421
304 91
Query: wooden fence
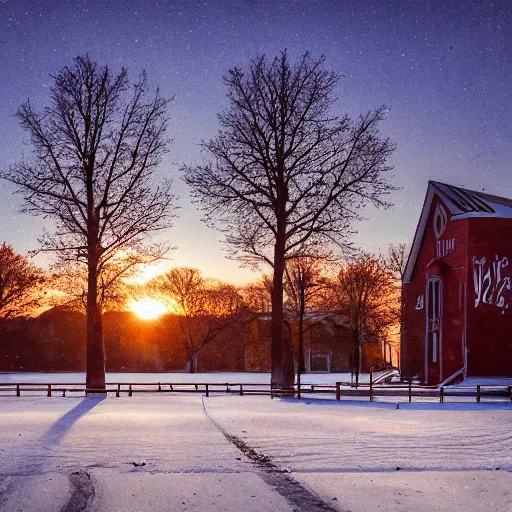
410 391
384 392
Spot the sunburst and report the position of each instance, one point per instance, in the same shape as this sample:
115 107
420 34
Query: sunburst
148 309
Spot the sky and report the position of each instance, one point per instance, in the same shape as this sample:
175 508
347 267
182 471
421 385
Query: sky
443 67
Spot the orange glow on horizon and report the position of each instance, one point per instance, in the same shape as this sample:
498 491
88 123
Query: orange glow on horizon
222 273
148 309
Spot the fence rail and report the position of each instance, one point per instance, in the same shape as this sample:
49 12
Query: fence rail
411 391
371 391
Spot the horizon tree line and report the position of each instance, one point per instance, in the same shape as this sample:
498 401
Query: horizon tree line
363 290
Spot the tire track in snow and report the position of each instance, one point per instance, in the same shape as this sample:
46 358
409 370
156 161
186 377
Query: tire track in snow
298 496
82 494
6 488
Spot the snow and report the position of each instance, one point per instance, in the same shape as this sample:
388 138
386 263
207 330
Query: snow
219 377
436 491
172 452
485 381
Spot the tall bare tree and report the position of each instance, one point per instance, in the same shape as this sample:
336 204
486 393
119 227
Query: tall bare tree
285 176
20 283
96 147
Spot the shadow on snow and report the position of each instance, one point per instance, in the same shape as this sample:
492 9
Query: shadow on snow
59 429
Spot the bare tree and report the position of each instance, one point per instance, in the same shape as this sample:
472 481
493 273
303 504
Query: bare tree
396 259
285 176
304 282
366 290
96 147
206 308
308 276
20 284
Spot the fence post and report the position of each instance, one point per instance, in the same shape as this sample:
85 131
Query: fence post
18 392
510 392
159 387
207 392
241 389
371 386
410 390
478 393
49 390
130 393
338 391
441 394
118 389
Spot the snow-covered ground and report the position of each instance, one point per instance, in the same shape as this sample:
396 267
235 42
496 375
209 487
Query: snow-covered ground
485 381
227 452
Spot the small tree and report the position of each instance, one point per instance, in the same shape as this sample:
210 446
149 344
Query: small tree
96 147
365 290
20 283
396 261
285 176
307 275
206 308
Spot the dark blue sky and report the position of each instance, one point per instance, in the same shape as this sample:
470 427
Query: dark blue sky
443 67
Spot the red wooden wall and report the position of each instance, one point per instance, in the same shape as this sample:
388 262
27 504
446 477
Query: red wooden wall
489 337
452 269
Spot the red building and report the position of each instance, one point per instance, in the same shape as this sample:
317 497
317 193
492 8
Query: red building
457 315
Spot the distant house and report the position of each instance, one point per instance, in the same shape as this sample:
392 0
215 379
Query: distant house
328 344
457 313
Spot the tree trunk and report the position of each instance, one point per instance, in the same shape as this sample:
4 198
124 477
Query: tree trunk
95 378
192 364
283 374
357 355
300 358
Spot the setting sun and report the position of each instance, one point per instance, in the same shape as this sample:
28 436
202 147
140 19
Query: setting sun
148 309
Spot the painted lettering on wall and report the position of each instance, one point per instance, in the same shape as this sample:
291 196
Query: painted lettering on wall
444 247
491 287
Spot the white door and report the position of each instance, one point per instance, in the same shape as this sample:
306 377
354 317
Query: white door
433 329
